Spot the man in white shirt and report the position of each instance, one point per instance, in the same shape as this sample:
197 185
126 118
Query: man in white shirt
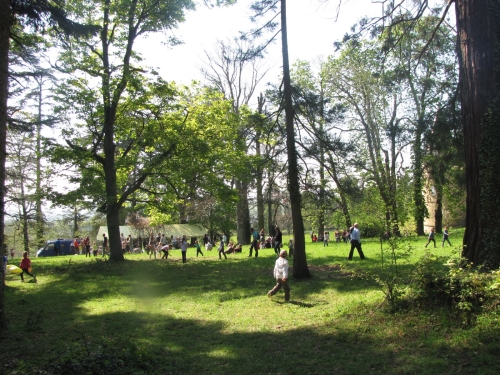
184 247
356 242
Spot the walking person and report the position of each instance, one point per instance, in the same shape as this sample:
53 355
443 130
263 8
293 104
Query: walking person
198 248
431 238
278 239
356 242
255 243
326 239
184 247
25 265
446 234
221 248
5 261
281 276
105 245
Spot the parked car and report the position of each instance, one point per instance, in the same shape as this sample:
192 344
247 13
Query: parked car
48 249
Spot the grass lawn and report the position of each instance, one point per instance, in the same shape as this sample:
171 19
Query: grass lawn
212 316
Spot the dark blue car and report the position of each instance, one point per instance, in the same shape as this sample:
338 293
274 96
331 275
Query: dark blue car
48 249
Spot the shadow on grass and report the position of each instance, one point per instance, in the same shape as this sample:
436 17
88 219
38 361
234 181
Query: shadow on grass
187 346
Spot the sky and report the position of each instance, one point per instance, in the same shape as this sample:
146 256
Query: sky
313 27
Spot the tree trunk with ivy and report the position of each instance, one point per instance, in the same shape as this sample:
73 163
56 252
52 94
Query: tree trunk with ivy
4 91
478 32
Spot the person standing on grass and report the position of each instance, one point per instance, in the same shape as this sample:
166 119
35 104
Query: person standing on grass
281 276
326 238
290 247
255 243
446 234
356 242
221 248
12 253
25 265
278 239
104 244
86 246
184 247
198 248
431 238
57 247
5 261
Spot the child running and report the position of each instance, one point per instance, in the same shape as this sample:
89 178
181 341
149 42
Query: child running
26 266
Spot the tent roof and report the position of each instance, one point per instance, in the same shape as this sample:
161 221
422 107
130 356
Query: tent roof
176 230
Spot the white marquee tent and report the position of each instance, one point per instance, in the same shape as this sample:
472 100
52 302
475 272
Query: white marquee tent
176 230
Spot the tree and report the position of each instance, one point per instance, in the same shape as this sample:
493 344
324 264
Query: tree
477 30
319 118
235 71
263 8
358 80
111 59
35 14
430 77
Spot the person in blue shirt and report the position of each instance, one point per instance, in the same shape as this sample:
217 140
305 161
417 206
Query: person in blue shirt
356 242
431 238
255 243
446 234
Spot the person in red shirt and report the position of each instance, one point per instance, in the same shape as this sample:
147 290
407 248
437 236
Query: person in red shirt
76 244
26 266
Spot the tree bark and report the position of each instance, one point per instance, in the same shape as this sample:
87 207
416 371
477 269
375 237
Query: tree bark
242 213
300 269
39 223
260 188
4 91
478 29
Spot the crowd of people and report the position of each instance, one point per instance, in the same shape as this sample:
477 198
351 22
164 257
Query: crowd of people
162 244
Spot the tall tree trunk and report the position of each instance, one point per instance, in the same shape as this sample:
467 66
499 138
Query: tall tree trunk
438 213
39 224
300 269
112 208
478 33
322 193
75 222
270 226
242 213
260 194
420 208
4 91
